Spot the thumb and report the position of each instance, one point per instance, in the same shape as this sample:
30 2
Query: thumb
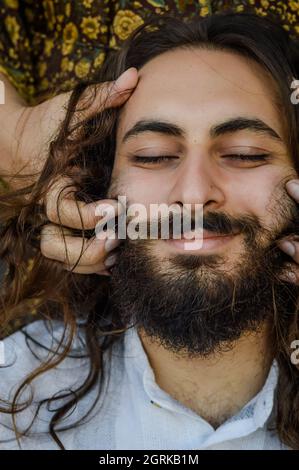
110 94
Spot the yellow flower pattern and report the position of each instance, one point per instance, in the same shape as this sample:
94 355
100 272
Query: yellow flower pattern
53 44
13 28
87 3
98 61
69 37
91 26
12 3
125 22
82 68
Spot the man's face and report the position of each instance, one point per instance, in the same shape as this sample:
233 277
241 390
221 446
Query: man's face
207 107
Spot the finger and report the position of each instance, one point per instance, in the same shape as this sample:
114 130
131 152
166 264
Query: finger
99 268
94 269
109 94
291 248
290 273
293 189
69 249
63 208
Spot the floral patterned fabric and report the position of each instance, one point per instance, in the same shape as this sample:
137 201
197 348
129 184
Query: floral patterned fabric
48 46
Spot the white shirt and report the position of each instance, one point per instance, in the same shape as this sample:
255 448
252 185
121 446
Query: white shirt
133 411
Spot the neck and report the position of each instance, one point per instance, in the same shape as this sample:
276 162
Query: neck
218 386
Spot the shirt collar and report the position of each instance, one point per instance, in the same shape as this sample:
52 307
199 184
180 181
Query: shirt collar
257 411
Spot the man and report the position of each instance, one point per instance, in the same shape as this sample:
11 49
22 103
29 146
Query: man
198 364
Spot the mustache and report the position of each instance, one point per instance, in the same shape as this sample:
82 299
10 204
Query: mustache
285 223
284 210
219 223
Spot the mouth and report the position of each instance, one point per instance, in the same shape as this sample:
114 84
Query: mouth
204 241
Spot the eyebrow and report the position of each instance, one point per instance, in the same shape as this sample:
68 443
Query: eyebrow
227 127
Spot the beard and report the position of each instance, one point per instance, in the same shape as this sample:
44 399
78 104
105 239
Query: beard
193 305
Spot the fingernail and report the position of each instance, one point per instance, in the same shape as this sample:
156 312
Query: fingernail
288 276
291 276
288 247
293 188
110 244
110 261
103 273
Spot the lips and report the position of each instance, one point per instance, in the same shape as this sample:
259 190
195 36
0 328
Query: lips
206 242
204 234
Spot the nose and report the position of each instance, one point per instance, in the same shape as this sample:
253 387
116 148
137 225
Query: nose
197 181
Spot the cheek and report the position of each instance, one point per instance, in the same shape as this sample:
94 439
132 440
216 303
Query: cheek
140 186
257 194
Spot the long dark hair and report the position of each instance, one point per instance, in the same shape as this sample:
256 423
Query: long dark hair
89 146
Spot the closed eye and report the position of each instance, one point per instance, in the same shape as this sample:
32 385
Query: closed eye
150 159
244 157
241 157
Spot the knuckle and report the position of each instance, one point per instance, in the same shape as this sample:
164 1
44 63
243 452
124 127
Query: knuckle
45 248
47 239
51 211
93 255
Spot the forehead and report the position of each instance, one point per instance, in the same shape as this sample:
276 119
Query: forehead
198 87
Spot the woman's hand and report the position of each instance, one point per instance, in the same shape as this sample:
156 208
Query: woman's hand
26 132
97 254
290 245
24 140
